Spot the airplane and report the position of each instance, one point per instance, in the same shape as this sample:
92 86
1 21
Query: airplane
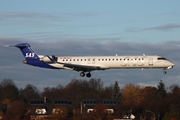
86 64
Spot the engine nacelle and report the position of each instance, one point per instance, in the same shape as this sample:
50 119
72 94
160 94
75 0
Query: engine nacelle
48 59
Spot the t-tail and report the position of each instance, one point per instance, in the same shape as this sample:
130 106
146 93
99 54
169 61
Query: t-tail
28 53
31 56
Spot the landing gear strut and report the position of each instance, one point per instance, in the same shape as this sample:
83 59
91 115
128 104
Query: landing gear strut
82 74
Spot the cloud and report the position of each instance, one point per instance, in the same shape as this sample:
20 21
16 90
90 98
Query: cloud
165 27
27 15
13 68
40 19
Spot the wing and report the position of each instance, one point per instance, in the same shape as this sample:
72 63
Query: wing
77 67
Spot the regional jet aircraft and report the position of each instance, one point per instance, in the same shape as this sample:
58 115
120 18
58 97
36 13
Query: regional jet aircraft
86 64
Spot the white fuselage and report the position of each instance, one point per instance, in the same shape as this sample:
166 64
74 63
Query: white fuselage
90 63
115 62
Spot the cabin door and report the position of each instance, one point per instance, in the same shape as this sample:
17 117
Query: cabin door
89 60
150 61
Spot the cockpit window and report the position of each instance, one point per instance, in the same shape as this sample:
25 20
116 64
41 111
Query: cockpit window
161 58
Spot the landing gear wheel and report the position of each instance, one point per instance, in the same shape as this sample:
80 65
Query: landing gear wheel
88 75
82 74
164 72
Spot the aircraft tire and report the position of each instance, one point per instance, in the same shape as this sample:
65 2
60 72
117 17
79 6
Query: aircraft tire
88 75
82 74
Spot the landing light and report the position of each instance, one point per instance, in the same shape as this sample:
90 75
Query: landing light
24 61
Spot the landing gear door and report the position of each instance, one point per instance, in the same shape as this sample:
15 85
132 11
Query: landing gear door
150 61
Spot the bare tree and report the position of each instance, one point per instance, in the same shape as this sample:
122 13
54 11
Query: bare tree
29 92
9 90
53 92
15 111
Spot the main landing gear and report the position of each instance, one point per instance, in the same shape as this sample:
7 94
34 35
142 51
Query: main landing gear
82 74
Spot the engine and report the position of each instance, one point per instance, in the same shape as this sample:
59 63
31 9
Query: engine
48 59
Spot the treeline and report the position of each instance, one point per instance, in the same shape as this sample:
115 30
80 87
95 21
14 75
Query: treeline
161 101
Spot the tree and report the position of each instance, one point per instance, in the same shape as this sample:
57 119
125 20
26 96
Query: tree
53 92
130 96
9 90
78 90
15 111
151 100
116 91
29 92
161 89
99 112
174 96
107 92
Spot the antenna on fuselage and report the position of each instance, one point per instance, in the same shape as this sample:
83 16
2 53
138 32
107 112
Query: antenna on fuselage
116 54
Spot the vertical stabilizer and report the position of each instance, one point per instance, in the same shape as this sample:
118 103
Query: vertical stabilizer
28 53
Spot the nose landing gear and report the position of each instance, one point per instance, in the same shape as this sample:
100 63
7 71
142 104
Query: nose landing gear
164 71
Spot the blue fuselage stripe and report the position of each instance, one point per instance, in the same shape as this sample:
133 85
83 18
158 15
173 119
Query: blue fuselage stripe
40 64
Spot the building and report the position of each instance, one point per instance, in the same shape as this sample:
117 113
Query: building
88 105
46 108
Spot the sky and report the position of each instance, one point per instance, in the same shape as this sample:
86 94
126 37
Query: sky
92 27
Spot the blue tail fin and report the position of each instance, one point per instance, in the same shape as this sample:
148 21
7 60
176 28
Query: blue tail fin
28 53
31 57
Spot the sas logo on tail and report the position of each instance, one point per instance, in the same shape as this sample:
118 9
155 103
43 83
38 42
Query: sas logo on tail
30 55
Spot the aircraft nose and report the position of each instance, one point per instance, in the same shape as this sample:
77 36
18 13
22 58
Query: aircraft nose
171 65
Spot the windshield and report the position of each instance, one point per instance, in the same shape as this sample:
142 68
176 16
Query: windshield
161 58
